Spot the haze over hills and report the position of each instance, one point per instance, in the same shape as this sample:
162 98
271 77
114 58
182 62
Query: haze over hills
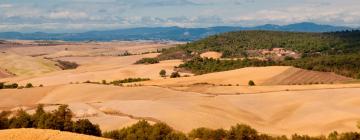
166 33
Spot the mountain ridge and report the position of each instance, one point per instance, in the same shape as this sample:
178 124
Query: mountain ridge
167 33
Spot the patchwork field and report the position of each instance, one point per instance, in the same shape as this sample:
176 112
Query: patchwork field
285 100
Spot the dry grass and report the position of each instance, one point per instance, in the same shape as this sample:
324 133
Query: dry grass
296 76
40 134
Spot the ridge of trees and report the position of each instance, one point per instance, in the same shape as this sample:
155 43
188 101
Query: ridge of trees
233 44
336 52
346 65
60 119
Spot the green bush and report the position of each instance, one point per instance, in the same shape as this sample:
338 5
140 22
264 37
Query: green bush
144 131
148 61
242 132
162 73
175 75
128 80
251 83
84 126
207 134
29 85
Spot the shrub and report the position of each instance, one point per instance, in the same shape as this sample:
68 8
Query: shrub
242 132
66 65
144 131
251 83
148 61
175 75
4 121
29 85
128 80
162 73
207 134
84 126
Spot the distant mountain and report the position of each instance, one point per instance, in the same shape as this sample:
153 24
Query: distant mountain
165 33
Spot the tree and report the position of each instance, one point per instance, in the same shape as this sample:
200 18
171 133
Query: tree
175 75
4 121
242 132
251 83
1 85
29 85
162 73
38 113
84 126
22 120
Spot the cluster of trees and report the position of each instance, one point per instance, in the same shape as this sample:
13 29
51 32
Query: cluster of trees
128 80
60 119
234 44
16 86
160 131
148 61
328 52
347 65
145 131
200 65
66 65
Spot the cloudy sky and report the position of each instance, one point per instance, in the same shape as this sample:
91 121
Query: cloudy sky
84 15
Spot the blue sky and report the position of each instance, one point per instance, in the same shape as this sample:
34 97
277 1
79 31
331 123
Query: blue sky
84 15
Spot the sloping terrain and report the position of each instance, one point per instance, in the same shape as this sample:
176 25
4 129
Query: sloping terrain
233 77
41 134
4 74
296 76
26 65
311 112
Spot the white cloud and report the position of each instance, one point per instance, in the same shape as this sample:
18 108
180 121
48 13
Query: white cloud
75 15
81 15
6 5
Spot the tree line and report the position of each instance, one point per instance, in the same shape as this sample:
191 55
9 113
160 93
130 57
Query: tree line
62 119
336 52
346 65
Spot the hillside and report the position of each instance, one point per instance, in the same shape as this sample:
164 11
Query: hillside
326 52
235 44
40 134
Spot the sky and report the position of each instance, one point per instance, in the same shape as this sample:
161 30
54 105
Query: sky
85 15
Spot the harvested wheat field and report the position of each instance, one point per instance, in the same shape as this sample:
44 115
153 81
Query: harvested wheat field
40 134
234 77
26 65
296 76
285 112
